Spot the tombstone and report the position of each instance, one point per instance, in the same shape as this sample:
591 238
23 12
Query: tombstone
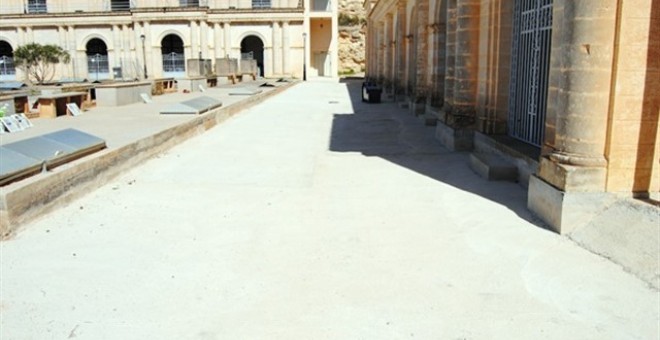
73 109
10 124
25 119
146 98
21 123
242 91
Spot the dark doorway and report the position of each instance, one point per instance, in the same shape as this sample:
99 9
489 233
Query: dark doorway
253 48
7 69
174 63
97 59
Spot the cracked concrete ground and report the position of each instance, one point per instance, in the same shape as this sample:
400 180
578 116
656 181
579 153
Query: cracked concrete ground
314 216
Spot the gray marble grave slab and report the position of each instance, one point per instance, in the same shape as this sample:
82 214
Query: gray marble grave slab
40 148
21 158
193 106
244 91
14 164
78 140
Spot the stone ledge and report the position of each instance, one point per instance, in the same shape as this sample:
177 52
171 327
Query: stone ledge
493 168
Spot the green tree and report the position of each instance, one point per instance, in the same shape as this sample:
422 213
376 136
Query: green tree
38 61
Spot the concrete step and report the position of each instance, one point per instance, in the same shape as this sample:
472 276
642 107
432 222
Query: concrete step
493 168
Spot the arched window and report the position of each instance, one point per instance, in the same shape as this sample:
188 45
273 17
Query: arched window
7 69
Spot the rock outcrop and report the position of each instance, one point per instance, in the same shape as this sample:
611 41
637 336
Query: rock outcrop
352 32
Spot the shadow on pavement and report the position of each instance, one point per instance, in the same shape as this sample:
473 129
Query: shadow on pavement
384 130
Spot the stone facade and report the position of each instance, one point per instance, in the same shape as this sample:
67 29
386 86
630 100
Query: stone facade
161 37
591 111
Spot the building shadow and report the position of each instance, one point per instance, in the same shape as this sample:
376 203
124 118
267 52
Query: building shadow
394 134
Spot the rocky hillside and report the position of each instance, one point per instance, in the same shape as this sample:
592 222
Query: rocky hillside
352 30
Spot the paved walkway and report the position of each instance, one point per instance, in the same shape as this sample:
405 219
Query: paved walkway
311 216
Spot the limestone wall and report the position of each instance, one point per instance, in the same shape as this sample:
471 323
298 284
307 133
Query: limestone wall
352 32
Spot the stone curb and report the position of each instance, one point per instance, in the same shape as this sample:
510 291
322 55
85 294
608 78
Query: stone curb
72 181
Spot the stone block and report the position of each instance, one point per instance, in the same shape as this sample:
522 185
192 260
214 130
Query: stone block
454 139
573 178
563 211
493 168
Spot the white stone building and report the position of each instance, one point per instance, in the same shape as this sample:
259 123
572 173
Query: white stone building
118 38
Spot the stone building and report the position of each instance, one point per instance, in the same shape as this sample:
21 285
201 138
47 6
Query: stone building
118 38
567 91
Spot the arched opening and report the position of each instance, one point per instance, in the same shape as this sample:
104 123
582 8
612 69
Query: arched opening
174 60
7 69
252 48
97 60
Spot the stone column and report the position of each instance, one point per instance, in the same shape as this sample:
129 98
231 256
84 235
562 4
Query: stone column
286 47
389 55
568 188
76 69
454 128
194 40
401 50
128 44
450 58
227 30
154 58
116 48
277 49
204 39
217 41
466 62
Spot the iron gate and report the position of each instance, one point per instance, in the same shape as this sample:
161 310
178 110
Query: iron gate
174 64
97 66
528 95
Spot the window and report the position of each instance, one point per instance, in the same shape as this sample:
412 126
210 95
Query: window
36 6
261 4
189 3
120 5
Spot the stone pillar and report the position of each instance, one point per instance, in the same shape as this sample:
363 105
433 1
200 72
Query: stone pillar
194 40
455 126
381 51
114 53
129 44
154 59
277 49
204 39
72 48
227 30
286 47
569 187
390 46
401 50
218 41
420 86
466 62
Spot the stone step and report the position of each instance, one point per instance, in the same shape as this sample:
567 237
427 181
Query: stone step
493 168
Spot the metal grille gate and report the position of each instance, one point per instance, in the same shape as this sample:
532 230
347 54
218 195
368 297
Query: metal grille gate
528 95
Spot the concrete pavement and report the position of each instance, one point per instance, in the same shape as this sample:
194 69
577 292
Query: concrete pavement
311 215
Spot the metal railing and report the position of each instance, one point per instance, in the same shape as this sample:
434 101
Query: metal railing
7 67
528 94
36 6
174 63
98 67
261 4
